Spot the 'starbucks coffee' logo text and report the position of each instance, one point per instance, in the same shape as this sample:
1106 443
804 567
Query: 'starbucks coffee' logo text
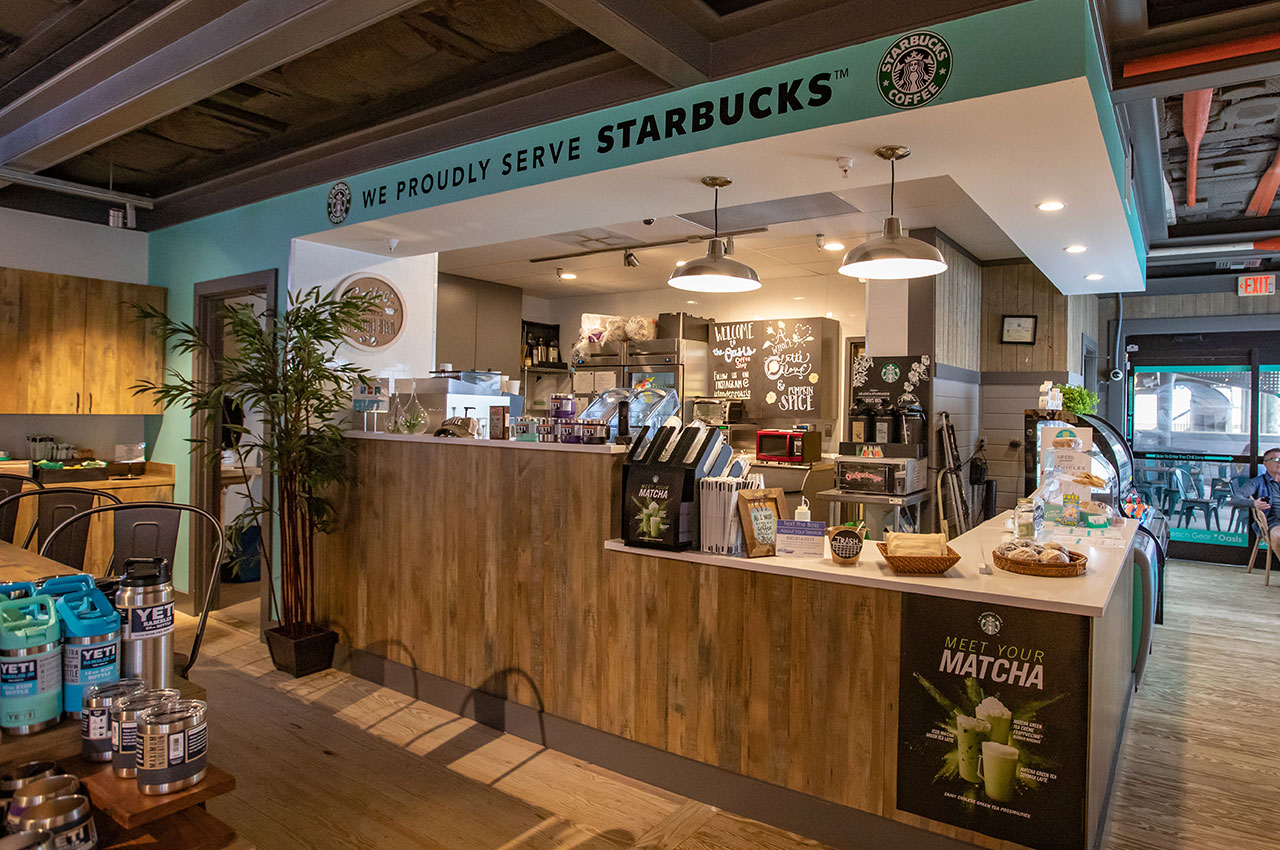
339 202
914 70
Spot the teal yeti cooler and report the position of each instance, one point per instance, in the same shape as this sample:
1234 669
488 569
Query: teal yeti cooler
17 589
62 585
90 645
30 665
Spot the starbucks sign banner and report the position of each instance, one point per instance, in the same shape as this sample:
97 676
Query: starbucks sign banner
914 70
993 719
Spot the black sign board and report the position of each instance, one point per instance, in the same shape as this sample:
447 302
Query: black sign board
993 720
877 379
774 365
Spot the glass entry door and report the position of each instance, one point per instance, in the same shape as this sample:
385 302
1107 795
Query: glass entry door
1201 410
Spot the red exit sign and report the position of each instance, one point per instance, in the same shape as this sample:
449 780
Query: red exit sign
1256 284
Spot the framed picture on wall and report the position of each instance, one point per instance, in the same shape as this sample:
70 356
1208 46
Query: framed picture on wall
1018 330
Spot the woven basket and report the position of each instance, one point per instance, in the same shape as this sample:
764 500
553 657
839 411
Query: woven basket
919 564
1075 567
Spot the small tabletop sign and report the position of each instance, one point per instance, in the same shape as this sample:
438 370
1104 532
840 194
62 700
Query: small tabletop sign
760 511
799 539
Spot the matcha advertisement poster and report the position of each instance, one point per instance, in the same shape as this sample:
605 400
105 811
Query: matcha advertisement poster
993 720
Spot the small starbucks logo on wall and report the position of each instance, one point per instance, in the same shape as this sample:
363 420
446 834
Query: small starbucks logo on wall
890 372
914 70
339 202
990 622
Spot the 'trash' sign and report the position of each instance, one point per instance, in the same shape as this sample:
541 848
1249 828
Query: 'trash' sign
1256 284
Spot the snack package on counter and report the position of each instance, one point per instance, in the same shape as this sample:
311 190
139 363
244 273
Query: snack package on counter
1070 510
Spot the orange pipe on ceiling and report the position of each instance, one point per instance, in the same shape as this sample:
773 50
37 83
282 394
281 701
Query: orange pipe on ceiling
1195 120
1201 55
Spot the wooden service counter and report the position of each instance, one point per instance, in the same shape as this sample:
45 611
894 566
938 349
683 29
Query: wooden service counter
475 574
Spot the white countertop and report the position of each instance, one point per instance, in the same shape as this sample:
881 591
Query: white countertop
1086 595
608 449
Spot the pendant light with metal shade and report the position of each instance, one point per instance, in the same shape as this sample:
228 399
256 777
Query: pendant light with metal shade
892 256
715 272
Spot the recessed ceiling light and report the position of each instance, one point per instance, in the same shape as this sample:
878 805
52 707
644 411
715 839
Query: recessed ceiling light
1050 206
798 298
1075 249
691 302
1094 276
564 275
680 263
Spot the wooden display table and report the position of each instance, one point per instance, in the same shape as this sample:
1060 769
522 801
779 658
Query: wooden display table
120 799
62 742
125 817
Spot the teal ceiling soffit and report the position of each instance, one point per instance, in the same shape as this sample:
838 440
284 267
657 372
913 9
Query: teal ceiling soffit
1116 145
1015 47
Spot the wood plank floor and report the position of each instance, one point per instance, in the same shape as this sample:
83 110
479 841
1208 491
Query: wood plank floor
1200 767
333 761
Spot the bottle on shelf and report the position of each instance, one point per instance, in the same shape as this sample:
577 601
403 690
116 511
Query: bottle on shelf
553 353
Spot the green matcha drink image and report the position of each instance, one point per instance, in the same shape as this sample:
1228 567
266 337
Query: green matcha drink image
970 735
998 768
994 712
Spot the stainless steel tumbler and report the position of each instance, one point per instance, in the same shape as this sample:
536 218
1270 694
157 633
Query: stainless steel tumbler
145 602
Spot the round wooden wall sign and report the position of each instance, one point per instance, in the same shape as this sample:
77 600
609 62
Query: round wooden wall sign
383 325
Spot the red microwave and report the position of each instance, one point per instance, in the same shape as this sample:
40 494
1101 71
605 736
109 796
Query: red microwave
789 446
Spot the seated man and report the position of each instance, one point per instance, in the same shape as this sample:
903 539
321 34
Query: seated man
1265 491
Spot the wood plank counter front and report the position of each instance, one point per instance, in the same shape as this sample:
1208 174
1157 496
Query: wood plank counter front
483 564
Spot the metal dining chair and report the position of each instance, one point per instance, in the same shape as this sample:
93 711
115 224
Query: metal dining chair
1263 539
54 506
150 530
11 484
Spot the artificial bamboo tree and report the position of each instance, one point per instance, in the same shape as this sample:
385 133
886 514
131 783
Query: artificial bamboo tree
284 366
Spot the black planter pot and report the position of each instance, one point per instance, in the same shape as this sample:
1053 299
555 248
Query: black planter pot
303 650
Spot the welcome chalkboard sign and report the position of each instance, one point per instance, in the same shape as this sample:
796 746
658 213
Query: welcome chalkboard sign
776 366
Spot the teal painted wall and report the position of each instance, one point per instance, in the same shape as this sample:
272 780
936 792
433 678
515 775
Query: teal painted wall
1029 44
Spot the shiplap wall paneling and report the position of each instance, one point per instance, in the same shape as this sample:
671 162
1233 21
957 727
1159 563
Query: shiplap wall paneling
961 400
1082 318
958 310
1021 289
1003 407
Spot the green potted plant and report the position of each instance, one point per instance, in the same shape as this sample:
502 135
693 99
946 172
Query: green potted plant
1078 399
284 367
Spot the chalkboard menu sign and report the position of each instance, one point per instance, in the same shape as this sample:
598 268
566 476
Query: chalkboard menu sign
776 366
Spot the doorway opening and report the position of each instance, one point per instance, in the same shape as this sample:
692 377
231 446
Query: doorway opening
221 483
1201 408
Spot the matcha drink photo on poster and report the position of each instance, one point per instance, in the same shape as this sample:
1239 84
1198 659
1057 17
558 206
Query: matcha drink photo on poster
993 720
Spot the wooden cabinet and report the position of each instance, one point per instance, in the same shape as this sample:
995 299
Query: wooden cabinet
477 324
73 344
119 349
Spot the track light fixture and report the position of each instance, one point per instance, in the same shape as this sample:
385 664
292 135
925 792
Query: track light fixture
561 274
630 260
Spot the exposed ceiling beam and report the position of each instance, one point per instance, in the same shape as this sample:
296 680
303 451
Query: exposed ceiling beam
1148 167
56 46
648 34
1245 69
830 25
39 181
1189 284
208 46
1231 230
574 89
